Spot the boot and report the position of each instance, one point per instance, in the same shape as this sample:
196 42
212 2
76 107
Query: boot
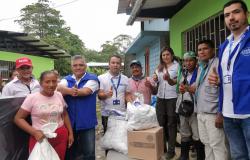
200 149
184 151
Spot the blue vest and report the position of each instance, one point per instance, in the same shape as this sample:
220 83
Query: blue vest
240 77
81 109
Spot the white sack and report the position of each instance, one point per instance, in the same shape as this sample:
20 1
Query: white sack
43 150
116 135
141 116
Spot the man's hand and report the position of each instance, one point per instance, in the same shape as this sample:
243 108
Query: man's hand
213 78
219 121
109 94
182 88
73 91
148 83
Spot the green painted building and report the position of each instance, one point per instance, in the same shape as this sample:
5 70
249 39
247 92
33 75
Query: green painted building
40 64
192 16
189 20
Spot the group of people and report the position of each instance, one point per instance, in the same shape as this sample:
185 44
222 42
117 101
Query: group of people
216 85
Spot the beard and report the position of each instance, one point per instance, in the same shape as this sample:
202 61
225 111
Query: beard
235 26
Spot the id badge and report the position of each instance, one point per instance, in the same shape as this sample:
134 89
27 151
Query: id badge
116 102
227 79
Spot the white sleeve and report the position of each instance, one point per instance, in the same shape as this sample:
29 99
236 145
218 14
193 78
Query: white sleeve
6 91
92 84
63 82
101 79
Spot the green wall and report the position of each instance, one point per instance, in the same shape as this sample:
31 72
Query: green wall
40 64
193 13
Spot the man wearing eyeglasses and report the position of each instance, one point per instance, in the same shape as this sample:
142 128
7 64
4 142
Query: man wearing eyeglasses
24 83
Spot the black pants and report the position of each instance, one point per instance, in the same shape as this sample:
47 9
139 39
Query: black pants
167 118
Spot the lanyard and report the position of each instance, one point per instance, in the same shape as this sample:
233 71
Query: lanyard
137 84
118 84
231 54
204 71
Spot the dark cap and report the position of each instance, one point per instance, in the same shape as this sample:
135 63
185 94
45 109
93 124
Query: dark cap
135 62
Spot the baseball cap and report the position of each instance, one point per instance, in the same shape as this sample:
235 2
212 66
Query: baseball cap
135 62
189 54
24 61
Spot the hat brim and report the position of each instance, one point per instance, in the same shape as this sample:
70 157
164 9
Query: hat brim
24 64
135 64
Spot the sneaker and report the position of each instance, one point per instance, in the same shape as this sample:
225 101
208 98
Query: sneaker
170 155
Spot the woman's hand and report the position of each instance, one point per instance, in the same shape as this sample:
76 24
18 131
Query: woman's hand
70 140
38 135
155 77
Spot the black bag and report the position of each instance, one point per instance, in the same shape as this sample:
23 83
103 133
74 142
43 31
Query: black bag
186 107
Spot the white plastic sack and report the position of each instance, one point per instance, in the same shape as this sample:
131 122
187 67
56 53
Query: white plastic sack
116 135
141 116
43 150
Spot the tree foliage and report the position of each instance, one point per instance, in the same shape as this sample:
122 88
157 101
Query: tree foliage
46 23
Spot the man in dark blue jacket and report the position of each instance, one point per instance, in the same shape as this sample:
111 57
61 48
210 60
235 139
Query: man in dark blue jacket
234 79
79 92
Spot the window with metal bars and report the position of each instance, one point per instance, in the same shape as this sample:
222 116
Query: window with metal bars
5 68
213 28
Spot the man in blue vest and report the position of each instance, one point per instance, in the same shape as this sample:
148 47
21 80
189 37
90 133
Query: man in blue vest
234 79
79 90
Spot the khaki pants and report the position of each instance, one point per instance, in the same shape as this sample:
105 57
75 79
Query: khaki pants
189 128
212 137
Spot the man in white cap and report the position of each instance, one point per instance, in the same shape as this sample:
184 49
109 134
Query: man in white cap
24 83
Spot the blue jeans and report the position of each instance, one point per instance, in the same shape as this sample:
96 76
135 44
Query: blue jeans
238 134
83 147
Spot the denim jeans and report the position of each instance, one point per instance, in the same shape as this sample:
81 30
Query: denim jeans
83 147
238 134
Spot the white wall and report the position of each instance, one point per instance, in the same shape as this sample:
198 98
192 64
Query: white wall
156 25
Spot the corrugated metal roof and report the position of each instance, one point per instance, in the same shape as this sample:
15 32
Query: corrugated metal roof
23 43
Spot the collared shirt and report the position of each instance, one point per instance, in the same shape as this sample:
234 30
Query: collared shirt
105 85
18 89
228 108
186 95
91 84
165 90
139 86
206 94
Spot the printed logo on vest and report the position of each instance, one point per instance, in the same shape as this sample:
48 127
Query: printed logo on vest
245 52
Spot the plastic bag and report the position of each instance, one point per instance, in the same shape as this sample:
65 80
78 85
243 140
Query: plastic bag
43 150
141 116
116 135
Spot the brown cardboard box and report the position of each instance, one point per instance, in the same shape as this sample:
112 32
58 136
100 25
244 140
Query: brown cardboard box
146 144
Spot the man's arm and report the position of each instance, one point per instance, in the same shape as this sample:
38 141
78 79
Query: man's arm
90 87
102 95
67 91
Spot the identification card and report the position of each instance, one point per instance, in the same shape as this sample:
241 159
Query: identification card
227 79
116 102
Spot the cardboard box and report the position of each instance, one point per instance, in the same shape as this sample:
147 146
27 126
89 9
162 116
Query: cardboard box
146 144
